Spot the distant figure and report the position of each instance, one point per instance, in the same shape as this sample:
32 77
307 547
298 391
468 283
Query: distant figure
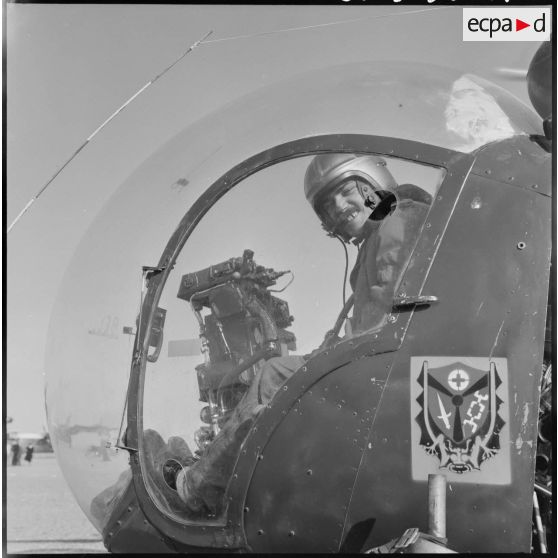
29 453
16 453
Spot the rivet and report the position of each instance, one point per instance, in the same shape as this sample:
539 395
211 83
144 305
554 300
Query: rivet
487 171
535 186
246 509
291 533
260 457
119 522
130 508
428 225
285 388
309 472
260 532
521 245
304 368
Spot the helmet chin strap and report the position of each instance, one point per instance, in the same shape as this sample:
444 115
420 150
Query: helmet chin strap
333 233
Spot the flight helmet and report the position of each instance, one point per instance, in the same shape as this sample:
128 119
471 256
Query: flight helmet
327 171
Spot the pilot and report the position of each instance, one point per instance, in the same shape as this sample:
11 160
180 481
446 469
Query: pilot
357 200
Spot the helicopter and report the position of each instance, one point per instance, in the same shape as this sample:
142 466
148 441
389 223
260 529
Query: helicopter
445 382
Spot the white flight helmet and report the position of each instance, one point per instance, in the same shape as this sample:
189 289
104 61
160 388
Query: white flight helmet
327 171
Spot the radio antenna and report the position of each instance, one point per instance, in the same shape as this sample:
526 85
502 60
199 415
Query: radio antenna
118 111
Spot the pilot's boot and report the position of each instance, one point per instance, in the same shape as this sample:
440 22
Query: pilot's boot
202 485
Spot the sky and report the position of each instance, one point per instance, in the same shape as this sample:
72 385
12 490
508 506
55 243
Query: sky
69 67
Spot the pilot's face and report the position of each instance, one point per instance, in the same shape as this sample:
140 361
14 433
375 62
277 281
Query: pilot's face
345 207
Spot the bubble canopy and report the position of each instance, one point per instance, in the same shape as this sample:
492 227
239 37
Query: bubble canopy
407 112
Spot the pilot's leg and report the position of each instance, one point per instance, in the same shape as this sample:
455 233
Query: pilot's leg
202 486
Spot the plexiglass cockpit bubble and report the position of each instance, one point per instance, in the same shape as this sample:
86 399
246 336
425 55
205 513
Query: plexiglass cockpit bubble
95 320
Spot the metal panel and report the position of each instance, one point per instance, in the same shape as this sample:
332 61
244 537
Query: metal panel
491 277
303 483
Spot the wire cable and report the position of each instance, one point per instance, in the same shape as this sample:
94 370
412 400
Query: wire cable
539 526
281 290
320 25
91 136
192 47
346 269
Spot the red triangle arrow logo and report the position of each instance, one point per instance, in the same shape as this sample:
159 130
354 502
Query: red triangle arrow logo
519 25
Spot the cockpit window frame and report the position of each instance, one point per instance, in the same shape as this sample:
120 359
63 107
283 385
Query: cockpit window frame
227 532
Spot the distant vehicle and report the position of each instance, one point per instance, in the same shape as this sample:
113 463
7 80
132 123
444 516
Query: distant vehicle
446 381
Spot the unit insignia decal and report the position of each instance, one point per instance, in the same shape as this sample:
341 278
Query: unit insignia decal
459 417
